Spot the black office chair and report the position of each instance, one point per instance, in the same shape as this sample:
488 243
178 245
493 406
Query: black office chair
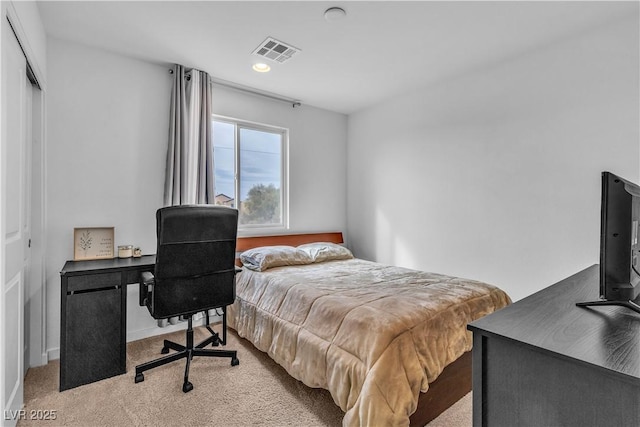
194 272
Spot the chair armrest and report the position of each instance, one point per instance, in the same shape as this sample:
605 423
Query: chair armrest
147 280
147 277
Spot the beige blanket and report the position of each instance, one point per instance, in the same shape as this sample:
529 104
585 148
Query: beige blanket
373 335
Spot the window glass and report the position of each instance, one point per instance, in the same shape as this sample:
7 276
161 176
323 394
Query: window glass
249 167
260 177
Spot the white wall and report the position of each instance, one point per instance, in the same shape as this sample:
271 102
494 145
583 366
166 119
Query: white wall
495 175
107 131
107 135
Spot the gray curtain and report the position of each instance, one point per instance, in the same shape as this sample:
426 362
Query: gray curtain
189 177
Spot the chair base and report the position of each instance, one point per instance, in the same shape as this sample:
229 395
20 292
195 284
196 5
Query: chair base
214 339
187 352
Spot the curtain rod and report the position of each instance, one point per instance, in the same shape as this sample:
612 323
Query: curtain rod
246 89
294 102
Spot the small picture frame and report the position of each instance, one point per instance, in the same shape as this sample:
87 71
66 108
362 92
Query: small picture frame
93 243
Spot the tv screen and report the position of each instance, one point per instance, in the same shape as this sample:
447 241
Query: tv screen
619 243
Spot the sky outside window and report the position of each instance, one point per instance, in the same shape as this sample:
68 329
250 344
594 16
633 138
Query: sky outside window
260 159
223 158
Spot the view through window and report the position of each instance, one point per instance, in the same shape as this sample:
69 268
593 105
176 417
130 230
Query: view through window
249 166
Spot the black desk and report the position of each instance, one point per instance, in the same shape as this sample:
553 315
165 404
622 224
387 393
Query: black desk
93 317
542 361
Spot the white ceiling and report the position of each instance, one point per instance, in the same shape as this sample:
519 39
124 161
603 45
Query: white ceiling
381 49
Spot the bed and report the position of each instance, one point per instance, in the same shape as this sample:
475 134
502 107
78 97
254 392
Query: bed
389 343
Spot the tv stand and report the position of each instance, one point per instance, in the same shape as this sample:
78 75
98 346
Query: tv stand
543 361
629 304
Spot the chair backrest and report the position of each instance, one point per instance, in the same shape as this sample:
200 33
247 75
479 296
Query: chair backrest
194 259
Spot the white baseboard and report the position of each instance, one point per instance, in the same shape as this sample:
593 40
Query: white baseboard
180 326
53 353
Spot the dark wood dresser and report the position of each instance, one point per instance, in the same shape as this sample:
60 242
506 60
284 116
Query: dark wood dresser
542 361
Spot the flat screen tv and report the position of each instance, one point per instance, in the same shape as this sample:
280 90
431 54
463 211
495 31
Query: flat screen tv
619 244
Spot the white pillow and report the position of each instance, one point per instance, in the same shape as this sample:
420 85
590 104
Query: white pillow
264 257
325 251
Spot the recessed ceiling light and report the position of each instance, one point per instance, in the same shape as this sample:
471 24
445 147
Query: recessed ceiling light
334 14
261 67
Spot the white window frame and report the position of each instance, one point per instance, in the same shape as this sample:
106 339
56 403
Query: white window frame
256 229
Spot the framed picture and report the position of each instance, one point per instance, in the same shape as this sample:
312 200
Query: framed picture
93 243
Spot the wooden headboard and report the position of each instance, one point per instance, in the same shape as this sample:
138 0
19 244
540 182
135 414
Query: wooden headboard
245 243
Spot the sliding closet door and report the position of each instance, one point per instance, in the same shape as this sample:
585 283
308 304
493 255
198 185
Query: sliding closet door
14 219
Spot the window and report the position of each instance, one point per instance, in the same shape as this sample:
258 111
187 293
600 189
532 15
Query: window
250 164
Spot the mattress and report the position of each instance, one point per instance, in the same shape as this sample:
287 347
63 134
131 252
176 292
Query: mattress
374 335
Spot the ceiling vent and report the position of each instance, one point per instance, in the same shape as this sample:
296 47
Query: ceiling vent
275 50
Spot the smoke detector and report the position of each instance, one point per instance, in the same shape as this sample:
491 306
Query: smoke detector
335 14
276 50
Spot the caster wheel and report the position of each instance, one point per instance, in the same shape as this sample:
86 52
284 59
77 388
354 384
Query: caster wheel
187 387
139 378
164 350
235 361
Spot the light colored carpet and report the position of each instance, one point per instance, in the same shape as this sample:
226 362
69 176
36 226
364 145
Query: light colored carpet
458 415
258 392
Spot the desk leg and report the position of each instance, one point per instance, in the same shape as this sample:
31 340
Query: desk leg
63 333
123 323
93 347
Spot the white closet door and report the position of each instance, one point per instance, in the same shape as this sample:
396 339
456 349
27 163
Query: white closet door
14 223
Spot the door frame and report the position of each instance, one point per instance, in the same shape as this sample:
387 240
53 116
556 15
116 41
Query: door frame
35 286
